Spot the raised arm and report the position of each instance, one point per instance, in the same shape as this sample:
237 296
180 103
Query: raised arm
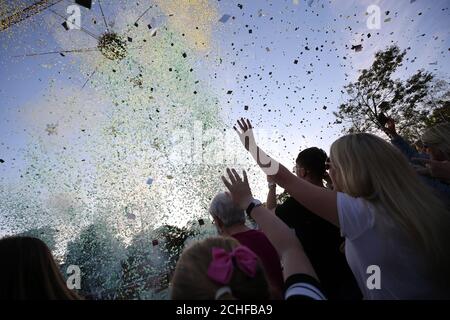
280 235
401 143
320 201
271 202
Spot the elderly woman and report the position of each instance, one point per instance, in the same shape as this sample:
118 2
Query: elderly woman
230 221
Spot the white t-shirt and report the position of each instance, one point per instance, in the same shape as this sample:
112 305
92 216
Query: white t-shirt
372 239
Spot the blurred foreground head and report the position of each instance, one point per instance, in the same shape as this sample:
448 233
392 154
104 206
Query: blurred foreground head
191 280
29 272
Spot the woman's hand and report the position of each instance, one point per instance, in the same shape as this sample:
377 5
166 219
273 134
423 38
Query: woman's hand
239 189
266 163
246 133
389 128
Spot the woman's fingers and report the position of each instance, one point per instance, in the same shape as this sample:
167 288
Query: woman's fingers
234 178
226 183
231 176
241 126
244 124
236 175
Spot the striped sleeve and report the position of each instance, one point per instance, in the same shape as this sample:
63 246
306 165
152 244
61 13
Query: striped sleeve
303 287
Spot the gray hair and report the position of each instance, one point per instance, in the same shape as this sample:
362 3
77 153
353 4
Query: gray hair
223 208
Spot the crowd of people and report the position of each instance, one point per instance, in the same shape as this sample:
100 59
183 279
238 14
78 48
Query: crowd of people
369 205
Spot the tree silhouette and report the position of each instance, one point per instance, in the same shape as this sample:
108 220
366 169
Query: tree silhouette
376 92
99 255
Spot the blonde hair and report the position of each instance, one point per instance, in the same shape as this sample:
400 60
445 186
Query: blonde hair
438 137
191 282
369 167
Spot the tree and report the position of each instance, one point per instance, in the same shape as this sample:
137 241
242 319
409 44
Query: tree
439 97
376 92
46 234
99 254
149 265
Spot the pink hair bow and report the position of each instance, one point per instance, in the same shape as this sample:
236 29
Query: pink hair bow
222 266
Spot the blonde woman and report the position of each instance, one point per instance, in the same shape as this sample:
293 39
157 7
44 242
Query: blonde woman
397 232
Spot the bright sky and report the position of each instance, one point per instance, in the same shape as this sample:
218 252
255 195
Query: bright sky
286 60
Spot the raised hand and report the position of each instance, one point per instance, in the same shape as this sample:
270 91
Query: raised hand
239 189
266 163
246 133
389 128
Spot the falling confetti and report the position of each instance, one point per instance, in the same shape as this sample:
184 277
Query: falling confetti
111 102
52 129
357 47
224 18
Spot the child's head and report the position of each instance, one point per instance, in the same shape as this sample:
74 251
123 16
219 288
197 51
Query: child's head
219 268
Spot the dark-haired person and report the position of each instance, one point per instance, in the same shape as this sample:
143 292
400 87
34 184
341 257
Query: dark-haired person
321 240
29 272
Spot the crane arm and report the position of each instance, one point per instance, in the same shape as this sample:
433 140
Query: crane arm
26 13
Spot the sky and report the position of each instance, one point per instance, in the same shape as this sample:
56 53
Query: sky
282 64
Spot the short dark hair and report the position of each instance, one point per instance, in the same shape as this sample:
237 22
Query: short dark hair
313 161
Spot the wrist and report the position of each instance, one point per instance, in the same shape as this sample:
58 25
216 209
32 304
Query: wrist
253 204
247 202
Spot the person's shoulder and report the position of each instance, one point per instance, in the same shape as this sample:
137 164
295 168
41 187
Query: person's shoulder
255 233
349 202
356 215
249 234
259 236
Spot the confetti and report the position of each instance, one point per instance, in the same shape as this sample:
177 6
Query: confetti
357 47
224 18
106 114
